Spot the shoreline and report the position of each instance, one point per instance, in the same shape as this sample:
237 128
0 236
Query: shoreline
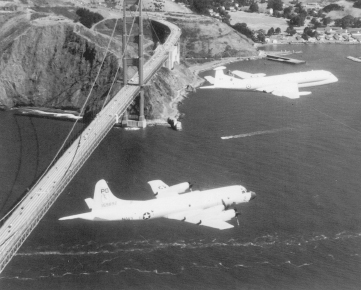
258 45
196 69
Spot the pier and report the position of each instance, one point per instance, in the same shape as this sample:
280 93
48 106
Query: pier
37 201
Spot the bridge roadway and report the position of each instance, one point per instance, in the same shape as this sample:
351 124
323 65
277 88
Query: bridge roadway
43 194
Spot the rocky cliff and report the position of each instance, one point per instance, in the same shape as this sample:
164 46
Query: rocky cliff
50 61
46 62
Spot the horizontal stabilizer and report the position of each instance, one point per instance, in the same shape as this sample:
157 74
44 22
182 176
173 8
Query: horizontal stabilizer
208 87
305 93
84 216
89 202
210 79
245 75
220 68
161 190
157 185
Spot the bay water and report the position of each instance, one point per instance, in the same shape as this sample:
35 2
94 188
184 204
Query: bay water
302 157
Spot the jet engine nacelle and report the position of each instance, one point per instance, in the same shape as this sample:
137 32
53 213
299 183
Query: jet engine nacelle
176 189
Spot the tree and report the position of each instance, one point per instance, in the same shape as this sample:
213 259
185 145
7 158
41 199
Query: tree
321 14
254 7
309 32
297 20
278 30
261 37
287 11
277 14
88 18
226 18
332 7
271 31
290 30
357 23
347 21
275 5
357 4
201 6
242 28
326 21
299 8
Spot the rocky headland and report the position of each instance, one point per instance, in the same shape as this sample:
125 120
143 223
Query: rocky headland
48 60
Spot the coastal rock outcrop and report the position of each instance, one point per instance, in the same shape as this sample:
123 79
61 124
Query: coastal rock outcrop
48 64
49 61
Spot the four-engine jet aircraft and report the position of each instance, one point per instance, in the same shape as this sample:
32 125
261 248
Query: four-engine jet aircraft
208 208
280 85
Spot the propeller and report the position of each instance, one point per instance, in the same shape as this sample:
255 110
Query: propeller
190 186
236 214
224 204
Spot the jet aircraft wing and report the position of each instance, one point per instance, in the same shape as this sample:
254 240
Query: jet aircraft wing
288 90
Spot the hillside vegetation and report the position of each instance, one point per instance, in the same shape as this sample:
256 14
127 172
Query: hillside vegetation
204 37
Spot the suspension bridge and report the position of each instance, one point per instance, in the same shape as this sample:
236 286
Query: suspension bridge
28 213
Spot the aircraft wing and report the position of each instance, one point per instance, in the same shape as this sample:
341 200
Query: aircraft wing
220 225
288 90
213 217
245 75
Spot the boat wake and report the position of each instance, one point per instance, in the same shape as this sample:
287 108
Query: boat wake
267 241
257 133
122 258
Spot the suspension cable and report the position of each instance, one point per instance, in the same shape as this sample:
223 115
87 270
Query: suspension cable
70 132
121 56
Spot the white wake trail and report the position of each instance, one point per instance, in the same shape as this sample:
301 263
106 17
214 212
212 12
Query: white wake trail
257 133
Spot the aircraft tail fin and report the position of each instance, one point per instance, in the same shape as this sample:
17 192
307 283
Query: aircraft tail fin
103 197
219 75
217 80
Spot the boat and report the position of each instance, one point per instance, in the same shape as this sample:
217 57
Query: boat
131 128
284 59
48 113
357 59
175 124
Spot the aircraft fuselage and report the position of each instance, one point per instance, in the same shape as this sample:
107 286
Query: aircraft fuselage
302 79
156 208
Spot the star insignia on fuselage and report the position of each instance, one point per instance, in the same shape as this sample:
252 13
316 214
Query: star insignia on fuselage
146 216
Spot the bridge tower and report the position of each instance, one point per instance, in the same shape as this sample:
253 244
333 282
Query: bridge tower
140 61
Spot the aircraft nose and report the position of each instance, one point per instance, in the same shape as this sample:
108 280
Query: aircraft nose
253 195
